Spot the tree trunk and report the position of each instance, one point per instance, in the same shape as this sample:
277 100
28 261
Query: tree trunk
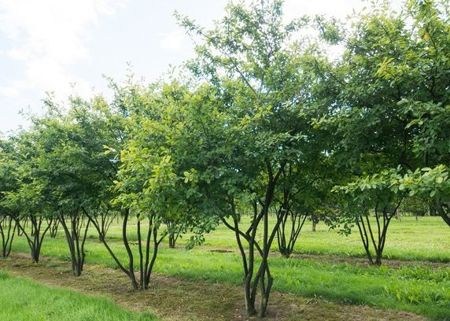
147 250
8 228
374 238
54 229
257 276
172 240
37 235
444 213
315 221
24 225
76 234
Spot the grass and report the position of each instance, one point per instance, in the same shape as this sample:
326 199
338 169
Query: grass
427 239
180 299
24 300
422 290
417 286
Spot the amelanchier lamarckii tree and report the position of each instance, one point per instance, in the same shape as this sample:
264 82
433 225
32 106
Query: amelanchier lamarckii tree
8 183
248 127
428 110
394 77
29 202
72 167
148 186
381 193
263 127
145 185
303 193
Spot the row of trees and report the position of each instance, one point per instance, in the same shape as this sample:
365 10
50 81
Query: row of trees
263 124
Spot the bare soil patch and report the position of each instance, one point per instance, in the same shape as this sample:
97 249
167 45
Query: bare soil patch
362 261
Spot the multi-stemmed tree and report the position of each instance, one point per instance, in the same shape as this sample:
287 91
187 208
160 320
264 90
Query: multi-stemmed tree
248 127
390 111
74 166
8 183
29 202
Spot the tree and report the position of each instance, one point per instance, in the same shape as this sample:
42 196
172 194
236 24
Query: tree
69 162
392 71
304 192
8 183
147 185
249 126
59 167
380 193
28 203
292 214
428 107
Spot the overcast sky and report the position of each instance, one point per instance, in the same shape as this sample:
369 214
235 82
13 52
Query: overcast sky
66 46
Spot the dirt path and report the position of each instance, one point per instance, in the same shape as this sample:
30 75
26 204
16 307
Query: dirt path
339 259
173 299
391 263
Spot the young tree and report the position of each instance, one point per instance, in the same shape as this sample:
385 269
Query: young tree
8 183
28 203
54 229
291 211
72 166
303 193
147 183
60 167
249 126
93 172
394 80
380 193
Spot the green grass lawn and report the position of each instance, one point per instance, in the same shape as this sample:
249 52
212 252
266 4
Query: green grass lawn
24 300
425 239
416 287
428 239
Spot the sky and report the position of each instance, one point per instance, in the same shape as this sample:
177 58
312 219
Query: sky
67 46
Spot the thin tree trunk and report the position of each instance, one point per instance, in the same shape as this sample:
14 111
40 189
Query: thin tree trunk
24 225
146 261
54 229
76 235
315 221
126 244
173 237
444 213
102 238
262 280
8 228
374 238
37 236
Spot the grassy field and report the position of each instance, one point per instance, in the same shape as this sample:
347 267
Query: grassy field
427 239
335 272
23 300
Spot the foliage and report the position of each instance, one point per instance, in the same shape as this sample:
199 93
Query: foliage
255 138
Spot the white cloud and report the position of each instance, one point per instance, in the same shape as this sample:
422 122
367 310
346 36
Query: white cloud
341 9
335 8
48 36
9 91
173 40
